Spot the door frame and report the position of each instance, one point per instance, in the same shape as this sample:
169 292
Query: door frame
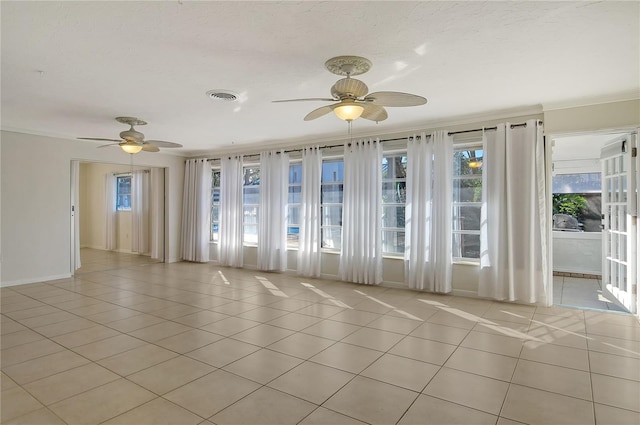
548 144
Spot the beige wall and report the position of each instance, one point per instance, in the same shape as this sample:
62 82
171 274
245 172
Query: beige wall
92 208
36 197
604 116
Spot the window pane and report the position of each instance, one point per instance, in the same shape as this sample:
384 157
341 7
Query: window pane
393 216
216 179
467 190
394 192
332 215
467 162
251 234
251 176
295 174
293 236
393 242
331 194
295 194
332 171
294 215
251 195
331 237
577 183
466 246
394 167
215 213
466 218
250 215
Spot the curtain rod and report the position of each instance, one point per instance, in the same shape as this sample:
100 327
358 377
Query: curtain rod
451 133
126 173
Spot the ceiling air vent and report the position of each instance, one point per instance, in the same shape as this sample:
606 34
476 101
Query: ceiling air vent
225 95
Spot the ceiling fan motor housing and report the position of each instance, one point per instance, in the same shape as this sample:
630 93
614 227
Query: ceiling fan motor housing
132 135
349 88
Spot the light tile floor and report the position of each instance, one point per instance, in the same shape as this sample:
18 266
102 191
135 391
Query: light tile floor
93 260
580 292
198 344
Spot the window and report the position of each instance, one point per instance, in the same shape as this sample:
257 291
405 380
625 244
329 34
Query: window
577 195
251 204
467 201
123 193
394 189
331 203
293 216
215 205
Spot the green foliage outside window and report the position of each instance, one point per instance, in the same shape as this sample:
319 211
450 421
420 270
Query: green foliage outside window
569 203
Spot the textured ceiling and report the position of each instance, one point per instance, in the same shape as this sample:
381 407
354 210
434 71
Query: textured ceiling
69 68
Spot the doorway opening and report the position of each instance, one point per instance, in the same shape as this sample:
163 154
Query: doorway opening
589 241
120 216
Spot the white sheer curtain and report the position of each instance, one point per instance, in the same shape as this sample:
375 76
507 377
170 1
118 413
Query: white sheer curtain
231 213
75 201
361 254
156 213
274 193
110 211
196 207
140 211
309 242
513 245
428 213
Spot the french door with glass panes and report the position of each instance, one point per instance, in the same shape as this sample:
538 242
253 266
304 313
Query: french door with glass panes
619 222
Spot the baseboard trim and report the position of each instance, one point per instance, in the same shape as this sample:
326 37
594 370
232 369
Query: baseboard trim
34 280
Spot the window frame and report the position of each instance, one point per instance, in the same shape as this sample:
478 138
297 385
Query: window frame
475 145
214 236
397 230
245 242
293 244
118 177
339 183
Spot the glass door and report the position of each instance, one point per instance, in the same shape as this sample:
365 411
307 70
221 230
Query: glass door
619 222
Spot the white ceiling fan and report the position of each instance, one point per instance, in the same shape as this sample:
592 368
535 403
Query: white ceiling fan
350 94
132 141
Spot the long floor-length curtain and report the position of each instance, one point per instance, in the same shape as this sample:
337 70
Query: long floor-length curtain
75 200
274 193
156 213
513 245
231 213
196 208
309 258
140 184
361 254
110 211
427 258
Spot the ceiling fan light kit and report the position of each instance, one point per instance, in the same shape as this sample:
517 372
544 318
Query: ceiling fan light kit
348 111
351 96
131 147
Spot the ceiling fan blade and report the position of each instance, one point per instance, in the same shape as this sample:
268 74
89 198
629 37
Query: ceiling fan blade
161 144
317 113
100 139
110 144
323 99
394 98
150 148
373 112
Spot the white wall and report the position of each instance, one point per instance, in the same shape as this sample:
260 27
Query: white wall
35 202
577 252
